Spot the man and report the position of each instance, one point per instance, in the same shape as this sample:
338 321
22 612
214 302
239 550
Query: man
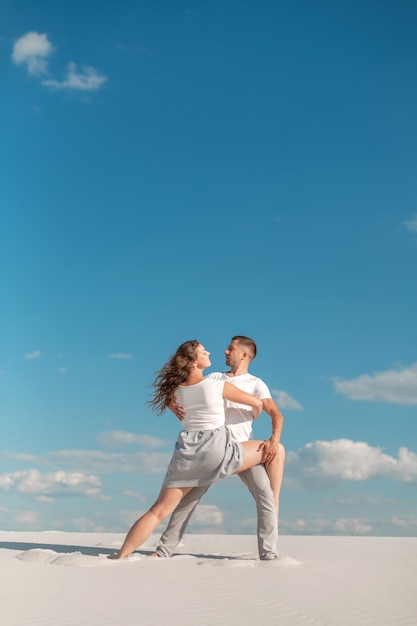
239 354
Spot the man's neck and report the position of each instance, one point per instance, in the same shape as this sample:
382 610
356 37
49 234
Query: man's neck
238 371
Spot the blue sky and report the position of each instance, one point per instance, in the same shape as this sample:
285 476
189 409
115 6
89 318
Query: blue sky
179 170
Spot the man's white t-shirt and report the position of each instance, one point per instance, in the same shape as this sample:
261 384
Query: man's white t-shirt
239 417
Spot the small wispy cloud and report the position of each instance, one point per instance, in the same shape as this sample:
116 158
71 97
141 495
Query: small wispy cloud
411 224
120 355
117 438
351 526
136 495
341 526
393 386
33 355
63 370
89 79
32 50
28 518
408 523
285 401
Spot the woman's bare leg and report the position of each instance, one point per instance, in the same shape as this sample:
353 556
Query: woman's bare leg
145 525
253 456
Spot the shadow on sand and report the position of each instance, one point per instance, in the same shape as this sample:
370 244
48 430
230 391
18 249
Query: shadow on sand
21 546
63 549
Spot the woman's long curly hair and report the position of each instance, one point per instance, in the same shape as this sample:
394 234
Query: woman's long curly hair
172 374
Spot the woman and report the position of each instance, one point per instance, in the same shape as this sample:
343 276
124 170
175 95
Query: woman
204 451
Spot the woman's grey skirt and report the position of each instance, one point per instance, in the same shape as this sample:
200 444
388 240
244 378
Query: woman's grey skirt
201 457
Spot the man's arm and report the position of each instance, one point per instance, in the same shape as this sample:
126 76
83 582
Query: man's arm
270 447
235 394
177 409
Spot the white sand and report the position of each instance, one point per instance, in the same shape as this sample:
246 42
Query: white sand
54 578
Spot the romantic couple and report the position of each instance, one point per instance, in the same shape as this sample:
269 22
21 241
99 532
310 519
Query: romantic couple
215 442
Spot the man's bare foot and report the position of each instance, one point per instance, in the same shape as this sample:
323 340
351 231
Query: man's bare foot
155 554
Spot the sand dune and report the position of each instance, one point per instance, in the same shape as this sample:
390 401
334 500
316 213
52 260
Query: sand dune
67 578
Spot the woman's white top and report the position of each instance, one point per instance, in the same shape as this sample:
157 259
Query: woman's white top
204 405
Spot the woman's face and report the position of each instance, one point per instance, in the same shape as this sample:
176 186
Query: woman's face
202 357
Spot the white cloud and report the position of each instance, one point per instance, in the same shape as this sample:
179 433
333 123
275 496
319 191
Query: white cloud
408 523
411 224
34 483
32 49
32 355
394 386
113 463
362 499
100 462
87 80
324 462
314 526
136 495
285 401
351 526
19 456
120 355
116 438
406 468
297 526
63 370
317 526
207 515
26 517
247 522
84 525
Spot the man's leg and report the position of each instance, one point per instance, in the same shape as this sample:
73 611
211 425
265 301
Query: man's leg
257 481
178 521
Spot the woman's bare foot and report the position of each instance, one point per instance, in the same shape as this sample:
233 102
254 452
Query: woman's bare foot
155 554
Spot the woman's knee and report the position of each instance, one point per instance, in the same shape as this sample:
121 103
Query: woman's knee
167 501
161 510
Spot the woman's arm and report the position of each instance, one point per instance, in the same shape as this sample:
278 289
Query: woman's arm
232 393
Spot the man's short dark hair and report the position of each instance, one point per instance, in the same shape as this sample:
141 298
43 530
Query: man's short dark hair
248 343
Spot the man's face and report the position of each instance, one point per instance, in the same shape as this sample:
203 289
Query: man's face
233 354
